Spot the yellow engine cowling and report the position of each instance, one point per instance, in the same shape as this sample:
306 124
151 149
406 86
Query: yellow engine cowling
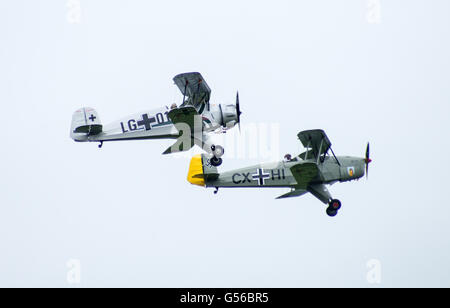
195 173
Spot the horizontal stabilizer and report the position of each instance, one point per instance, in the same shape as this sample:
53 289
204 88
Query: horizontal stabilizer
89 129
207 177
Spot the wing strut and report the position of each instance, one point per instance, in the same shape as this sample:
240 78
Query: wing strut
320 152
307 150
335 157
184 94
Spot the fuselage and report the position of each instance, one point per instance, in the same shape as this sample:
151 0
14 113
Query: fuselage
279 174
155 124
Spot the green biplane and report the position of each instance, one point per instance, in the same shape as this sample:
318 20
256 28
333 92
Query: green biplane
308 172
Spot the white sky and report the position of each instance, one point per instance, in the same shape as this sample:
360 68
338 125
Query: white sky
128 214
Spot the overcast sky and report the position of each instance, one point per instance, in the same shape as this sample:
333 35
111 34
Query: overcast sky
375 71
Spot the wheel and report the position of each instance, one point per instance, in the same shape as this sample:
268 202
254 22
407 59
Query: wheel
216 162
335 204
331 212
217 150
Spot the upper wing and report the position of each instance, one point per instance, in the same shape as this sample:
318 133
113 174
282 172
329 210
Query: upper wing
304 173
194 87
316 143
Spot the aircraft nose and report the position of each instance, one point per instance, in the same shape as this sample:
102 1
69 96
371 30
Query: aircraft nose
229 115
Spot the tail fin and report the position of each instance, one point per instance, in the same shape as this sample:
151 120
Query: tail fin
201 171
85 122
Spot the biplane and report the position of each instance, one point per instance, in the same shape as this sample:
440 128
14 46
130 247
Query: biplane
308 172
191 123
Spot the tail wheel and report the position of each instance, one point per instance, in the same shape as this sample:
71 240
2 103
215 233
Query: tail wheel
331 212
216 162
335 204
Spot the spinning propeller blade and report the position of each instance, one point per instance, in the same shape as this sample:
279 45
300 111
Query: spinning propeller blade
238 111
367 160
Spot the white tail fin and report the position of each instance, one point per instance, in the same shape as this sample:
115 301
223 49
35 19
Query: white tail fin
85 122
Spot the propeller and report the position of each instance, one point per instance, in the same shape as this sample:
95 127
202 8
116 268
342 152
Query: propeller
367 160
238 111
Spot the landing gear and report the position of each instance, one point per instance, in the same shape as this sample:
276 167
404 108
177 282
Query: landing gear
335 204
217 152
216 191
100 145
216 162
333 207
331 212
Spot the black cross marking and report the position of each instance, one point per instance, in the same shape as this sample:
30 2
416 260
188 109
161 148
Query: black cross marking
92 118
260 176
146 121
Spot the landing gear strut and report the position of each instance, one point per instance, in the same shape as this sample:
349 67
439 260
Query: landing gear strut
216 190
100 145
333 207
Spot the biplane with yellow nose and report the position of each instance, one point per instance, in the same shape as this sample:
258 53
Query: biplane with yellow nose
191 123
309 172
